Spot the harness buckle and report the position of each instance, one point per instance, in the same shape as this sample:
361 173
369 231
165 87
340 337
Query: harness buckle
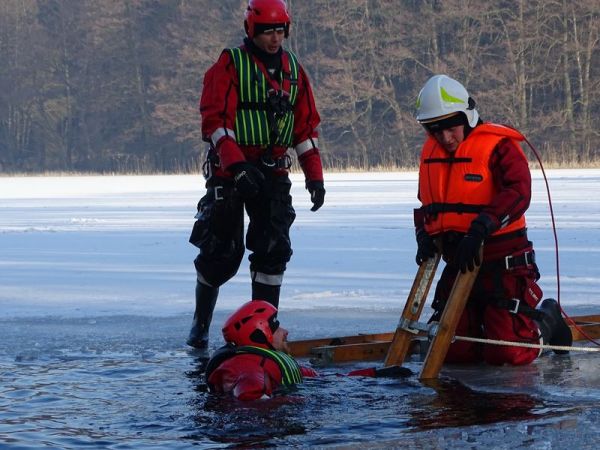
218 195
515 310
268 162
285 162
525 259
529 258
211 160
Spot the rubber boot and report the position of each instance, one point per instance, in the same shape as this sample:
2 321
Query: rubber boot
266 292
206 299
553 328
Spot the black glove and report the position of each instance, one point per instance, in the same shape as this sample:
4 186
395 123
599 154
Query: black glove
247 179
426 248
317 193
393 372
467 253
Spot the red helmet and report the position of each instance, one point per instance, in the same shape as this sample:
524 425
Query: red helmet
266 12
253 323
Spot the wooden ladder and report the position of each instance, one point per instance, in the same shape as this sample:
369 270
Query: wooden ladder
409 326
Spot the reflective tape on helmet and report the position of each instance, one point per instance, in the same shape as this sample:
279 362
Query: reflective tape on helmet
307 145
449 98
220 133
268 279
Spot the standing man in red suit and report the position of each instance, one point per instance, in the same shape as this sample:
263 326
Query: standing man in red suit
256 104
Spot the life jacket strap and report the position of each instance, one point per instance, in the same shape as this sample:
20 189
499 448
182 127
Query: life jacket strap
516 306
460 208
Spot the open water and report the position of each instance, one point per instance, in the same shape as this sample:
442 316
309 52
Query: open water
129 382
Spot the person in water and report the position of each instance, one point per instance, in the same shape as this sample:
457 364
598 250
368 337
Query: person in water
255 361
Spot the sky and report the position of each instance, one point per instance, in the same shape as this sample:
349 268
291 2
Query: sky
85 246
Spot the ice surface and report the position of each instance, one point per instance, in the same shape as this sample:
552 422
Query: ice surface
96 297
87 246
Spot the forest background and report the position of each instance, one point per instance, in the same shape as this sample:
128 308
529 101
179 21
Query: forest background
112 86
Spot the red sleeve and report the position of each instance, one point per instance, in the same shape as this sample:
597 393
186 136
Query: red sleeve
246 376
308 372
218 106
252 386
306 121
512 180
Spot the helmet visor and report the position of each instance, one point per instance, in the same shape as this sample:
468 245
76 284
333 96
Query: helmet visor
267 28
273 323
444 122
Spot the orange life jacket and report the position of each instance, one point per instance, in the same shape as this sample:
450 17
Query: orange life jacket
454 188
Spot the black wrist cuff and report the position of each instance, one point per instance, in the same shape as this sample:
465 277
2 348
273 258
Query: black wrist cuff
482 226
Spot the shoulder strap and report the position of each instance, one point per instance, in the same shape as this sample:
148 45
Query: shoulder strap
291 70
290 370
218 357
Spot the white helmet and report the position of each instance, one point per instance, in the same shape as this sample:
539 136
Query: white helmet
442 97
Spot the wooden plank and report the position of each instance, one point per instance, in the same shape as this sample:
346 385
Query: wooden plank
589 319
590 325
412 312
372 351
380 342
448 322
303 348
369 351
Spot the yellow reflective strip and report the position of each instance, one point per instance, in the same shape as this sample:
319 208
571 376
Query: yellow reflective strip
283 129
280 362
262 117
259 125
248 80
258 80
449 98
285 364
245 128
295 370
290 121
252 115
260 84
238 64
294 72
237 127
289 367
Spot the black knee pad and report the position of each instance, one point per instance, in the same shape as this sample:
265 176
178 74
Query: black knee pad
217 271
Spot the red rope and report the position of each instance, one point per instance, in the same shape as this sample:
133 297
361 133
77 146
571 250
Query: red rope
569 320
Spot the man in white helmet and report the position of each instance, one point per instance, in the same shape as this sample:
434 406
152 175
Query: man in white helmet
475 186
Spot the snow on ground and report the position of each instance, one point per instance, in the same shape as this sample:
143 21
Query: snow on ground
103 245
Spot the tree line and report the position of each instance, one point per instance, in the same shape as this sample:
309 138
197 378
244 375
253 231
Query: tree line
113 86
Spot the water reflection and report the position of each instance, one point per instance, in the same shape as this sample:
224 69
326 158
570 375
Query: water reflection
456 405
337 409
105 388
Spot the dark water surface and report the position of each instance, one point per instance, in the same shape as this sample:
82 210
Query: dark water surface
129 382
